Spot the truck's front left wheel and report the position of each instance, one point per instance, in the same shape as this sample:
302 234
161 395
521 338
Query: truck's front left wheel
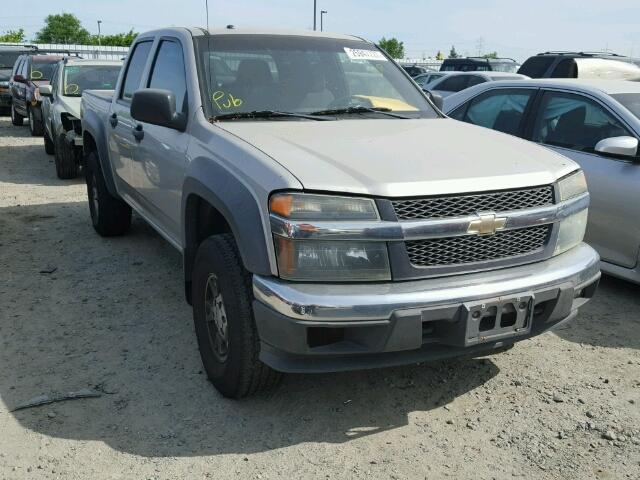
224 323
67 164
110 215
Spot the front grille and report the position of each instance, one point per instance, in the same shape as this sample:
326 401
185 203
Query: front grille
473 248
462 205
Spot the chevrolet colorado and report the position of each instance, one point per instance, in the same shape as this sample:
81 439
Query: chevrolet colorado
330 217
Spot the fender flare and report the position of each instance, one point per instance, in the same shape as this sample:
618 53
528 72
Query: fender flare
92 126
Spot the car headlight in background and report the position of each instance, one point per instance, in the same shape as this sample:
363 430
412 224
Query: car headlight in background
328 260
572 185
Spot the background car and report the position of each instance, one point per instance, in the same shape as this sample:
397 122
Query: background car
426 78
61 107
8 56
479 64
597 124
586 65
457 81
415 70
30 72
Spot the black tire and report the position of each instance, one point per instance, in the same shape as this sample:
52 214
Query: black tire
35 126
239 373
49 146
67 162
16 118
110 215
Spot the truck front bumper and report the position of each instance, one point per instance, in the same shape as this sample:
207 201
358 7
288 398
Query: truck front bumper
333 327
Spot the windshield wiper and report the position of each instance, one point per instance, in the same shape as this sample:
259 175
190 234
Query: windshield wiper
356 110
266 114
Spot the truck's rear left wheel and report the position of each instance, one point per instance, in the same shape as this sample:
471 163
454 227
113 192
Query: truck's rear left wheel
110 215
224 323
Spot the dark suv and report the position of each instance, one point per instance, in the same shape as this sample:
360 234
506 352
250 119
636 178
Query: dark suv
30 72
8 56
566 64
479 64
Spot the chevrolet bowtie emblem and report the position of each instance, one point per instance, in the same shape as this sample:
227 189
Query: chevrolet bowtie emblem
486 224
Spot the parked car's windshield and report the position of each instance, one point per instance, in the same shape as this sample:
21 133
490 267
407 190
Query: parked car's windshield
42 70
78 78
246 73
7 59
630 100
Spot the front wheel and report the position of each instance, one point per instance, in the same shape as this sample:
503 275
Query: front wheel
16 118
224 323
66 160
49 146
35 126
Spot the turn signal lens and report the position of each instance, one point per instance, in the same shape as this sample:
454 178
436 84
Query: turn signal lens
572 185
305 206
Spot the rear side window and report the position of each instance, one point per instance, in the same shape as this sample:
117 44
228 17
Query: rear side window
475 80
567 68
135 69
536 67
168 72
454 83
501 110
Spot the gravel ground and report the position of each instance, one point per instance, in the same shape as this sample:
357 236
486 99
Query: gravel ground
78 311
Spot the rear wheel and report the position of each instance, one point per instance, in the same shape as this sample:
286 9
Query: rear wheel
35 125
110 215
16 118
67 164
223 316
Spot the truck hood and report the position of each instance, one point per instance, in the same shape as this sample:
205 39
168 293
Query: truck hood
401 158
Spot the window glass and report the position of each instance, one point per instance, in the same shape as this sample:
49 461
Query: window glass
135 69
8 59
501 110
574 121
536 67
475 80
631 101
453 83
567 68
78 78
42 70
24 68
168 72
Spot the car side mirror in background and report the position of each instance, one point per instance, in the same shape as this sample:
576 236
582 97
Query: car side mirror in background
618 146
157 107
46 90
19 79
435 98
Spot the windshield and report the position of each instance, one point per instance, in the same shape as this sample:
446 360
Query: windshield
7 59
78 78
295 74
42 70
631 102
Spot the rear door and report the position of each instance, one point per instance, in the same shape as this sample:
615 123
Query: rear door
572 124
160 156
120 125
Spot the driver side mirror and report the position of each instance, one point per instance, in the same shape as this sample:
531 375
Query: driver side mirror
19 79
46 90
157 107
618 146
435 98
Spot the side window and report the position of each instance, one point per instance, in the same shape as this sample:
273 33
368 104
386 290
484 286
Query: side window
24 68
135 69
475 80
17 67
575 122
454 83
501 110
566 68
168 72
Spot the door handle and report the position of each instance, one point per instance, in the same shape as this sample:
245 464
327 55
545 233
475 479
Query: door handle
113 120
138 132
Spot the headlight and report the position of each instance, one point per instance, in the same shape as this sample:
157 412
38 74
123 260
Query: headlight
572 185
327 260
571 232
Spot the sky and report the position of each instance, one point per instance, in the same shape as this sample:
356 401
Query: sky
513 28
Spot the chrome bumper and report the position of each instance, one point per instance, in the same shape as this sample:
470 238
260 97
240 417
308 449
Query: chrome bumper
330 303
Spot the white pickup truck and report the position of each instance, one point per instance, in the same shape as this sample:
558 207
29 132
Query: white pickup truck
329 215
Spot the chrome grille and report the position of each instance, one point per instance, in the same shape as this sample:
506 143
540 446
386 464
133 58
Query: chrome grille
474 248
462 205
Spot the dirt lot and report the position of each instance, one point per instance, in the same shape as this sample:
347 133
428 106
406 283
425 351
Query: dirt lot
78 311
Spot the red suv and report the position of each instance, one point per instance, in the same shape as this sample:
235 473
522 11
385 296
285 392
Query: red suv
30 72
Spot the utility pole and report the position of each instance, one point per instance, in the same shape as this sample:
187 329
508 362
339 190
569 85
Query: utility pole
315 14
322 12
99 34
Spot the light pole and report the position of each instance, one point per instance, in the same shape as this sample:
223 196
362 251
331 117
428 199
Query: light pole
315 14
99 37
322 20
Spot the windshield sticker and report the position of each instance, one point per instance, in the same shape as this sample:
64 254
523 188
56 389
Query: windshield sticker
36 75
226 101
71 89
358 54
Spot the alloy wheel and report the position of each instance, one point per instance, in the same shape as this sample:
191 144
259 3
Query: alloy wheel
216 319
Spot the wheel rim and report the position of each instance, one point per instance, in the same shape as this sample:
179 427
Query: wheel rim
94 197
216 319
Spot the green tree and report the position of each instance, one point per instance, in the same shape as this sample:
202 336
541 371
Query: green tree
13 36
393 47
453 53
490 55
439 55
63 28
116 40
